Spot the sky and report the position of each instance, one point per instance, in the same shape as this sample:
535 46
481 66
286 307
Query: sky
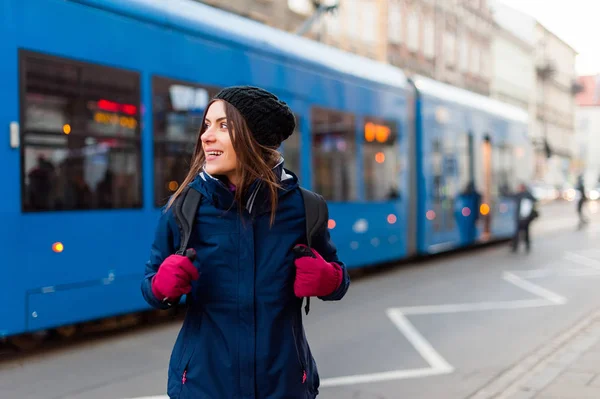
577 22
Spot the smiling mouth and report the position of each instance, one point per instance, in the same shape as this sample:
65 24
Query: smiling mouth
214 153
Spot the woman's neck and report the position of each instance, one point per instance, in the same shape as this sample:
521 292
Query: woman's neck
232 182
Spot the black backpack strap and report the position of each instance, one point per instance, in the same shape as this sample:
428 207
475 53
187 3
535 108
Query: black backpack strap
185 211
317 216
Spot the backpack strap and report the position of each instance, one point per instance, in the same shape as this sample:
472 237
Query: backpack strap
185 211
317 216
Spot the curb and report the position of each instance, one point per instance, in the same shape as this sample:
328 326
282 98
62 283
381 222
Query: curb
532 374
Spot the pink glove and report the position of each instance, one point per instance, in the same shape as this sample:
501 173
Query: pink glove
314 276
174 278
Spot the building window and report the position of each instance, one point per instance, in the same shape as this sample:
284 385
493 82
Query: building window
413 30
353 22
450 48
81 135
464 53
429 38
395 23
475 59
484 63
332 23
380 160
370 22
177 108
334 155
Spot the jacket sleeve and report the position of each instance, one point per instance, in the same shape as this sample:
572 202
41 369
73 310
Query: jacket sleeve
326 248
166 239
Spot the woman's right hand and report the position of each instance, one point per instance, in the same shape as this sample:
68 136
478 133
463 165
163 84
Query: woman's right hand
174 278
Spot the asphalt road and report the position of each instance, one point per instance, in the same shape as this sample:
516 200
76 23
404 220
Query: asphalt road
439 329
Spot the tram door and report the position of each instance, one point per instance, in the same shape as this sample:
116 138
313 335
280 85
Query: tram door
485 208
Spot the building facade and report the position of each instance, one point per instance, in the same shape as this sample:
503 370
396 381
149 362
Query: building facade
513 57
555 108
478 45
514 70
281 14
448 40
357 26
587 117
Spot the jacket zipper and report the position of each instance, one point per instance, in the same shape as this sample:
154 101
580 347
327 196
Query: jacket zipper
298 352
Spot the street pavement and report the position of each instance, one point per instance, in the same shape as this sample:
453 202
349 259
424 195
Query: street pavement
480 324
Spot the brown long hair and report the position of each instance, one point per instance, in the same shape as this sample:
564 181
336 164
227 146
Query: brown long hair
254 161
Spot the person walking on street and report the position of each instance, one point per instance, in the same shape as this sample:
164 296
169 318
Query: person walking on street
582 200
526 212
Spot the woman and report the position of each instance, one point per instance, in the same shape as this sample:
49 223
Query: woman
242 336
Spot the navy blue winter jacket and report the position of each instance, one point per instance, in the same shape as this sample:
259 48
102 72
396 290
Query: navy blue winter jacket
242 336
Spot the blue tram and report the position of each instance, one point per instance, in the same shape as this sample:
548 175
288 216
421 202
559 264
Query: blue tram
101 103
471 151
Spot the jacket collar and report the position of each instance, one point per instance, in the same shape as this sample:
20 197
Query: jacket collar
221 196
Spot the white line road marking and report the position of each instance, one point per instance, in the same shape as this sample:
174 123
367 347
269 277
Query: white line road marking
379 377
474 307
543 273
424 348
582 260
579 273
439 365
534 288
535 273
152 397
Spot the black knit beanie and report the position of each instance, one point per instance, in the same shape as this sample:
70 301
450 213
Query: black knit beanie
270 120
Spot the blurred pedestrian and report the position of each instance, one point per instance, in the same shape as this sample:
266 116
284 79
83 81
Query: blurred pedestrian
582 200
243 336
526 212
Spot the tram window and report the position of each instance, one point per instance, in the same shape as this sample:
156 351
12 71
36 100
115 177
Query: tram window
436 170
444 179
464 154
178 108
81 135
503 170
291 150
334 155
380 162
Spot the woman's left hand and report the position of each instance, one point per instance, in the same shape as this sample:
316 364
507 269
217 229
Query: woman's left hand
314 275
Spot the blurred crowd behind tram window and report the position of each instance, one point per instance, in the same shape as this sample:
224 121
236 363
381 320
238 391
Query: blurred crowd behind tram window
437 182
503 168
381 161
80 135
464 150
177 108
445 157
334 154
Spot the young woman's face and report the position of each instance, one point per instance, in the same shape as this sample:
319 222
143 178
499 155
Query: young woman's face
216 143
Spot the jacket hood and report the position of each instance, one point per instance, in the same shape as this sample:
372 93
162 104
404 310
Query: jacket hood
221 196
